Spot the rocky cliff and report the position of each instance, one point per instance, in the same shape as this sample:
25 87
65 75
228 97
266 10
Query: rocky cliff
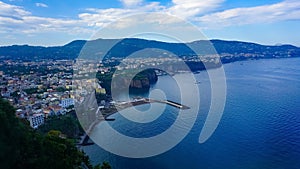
143 80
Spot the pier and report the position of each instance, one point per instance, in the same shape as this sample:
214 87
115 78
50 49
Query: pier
121 106
171 103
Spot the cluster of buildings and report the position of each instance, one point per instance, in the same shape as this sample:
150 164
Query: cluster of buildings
43 90
167 62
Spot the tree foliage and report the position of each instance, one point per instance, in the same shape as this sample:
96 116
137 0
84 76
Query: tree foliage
67 124
22 147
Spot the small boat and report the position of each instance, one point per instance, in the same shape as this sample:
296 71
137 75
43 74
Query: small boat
110 119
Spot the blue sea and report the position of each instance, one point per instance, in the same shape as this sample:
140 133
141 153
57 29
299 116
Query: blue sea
259 129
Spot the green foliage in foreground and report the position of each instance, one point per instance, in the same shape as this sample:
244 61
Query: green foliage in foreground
105 165
67 124
22 148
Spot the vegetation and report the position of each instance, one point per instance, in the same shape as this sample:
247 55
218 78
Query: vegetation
17 70
67 124
22 147
105 165
145 78
31 90
62 89
126 47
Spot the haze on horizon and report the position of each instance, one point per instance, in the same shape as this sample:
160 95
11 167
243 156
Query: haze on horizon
53 22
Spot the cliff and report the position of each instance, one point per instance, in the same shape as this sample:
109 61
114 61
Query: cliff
141 82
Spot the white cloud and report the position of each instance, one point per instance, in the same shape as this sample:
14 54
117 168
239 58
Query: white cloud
41 5
102 17
182 9
192 8
97 17
285 10
12 10
16 19
131 3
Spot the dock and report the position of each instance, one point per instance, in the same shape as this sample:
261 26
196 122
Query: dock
121 106
171 103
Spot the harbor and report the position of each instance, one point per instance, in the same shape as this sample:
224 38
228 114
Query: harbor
103 115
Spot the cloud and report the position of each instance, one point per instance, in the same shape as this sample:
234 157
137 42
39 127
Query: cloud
131 3
41 5
285 10
192 8
12 10
102 17
182 9
16 19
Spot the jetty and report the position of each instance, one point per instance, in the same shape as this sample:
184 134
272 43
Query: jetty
119 106
171 103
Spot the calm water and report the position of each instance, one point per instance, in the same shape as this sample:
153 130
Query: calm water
260 127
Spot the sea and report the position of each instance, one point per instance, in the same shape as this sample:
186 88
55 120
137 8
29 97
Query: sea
259 128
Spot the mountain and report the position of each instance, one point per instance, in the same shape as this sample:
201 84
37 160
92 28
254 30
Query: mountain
125 47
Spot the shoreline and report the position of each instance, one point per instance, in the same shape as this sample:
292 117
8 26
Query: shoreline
121 106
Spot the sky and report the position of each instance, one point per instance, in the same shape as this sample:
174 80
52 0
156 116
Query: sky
58 22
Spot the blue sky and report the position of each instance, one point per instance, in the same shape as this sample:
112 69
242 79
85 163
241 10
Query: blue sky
57 22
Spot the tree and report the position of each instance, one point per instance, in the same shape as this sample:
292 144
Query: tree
105 165
67 124
12 133
22 147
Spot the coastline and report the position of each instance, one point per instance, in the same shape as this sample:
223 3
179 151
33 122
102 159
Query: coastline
121 106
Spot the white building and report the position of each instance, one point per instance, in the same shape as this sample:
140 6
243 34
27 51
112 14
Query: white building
67 102
36 120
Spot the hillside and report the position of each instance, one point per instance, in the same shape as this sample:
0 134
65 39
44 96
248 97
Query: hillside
125 47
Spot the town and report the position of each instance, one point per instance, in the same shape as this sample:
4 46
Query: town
45 88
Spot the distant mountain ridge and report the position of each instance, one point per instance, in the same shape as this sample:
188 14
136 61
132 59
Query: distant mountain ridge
125 47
